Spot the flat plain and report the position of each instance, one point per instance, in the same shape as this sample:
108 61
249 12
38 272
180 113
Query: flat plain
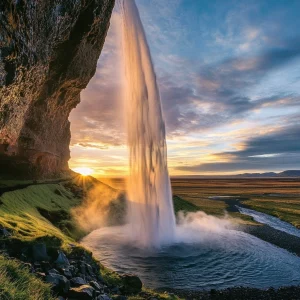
279 197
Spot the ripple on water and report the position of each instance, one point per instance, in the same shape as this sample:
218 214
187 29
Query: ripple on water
230 258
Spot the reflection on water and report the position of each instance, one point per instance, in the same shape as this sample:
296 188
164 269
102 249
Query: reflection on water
218 260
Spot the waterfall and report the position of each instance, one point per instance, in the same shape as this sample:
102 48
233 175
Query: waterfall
150 206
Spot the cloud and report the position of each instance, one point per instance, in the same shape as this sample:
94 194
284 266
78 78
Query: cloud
98 120
212 80
278 150
219 93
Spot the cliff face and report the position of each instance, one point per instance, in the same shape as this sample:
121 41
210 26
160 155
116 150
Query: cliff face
48 53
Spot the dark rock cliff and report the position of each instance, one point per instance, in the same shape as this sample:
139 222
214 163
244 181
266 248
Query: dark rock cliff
48 53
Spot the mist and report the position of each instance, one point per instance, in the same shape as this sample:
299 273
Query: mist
97 210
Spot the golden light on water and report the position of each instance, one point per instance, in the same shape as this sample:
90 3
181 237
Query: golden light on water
85 171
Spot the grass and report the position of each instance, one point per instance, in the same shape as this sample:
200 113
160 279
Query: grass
41 212
255 194
287 209
19 211
18 284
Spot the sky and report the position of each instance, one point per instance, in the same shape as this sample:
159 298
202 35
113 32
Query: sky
229 78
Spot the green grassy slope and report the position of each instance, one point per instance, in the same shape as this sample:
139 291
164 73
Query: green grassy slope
42 212
16 283
20 211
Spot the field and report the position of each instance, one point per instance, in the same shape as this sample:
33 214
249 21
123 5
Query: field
279 197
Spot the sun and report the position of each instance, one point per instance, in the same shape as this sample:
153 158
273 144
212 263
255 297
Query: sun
85 171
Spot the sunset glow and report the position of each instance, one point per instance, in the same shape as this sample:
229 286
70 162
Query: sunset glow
85 171
229 91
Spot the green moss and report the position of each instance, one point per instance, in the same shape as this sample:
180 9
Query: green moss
16 283
20 212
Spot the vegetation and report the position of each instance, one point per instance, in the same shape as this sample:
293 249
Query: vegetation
286 208
18 284
41 212
21 211
279 197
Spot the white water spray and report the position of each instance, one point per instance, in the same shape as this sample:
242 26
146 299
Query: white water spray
150 211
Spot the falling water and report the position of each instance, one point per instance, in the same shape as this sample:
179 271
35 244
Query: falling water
150 209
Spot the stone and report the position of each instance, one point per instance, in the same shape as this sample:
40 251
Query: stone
39 252
45 265
96 285
53 271
83 292
62 260
59 283
40 275
77 281
104 297
66 272
119 297
4 232
82 269
49 53
29 267
131 284
115 290
89 270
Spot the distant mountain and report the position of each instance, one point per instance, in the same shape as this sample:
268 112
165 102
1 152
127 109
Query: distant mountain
287 173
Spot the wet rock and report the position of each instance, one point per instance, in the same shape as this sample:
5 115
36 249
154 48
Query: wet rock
131 284
115 290
60 284
77 281
103 297
82 269
62 260
96 285
39 252
66 272
119 297
83 292
89 270
53 271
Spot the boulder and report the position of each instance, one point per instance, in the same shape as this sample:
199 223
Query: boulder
39 252
104 297
83 292
62 259
131 284
77 281
96 285
60 284
53 271
119 297
4 232
66 272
